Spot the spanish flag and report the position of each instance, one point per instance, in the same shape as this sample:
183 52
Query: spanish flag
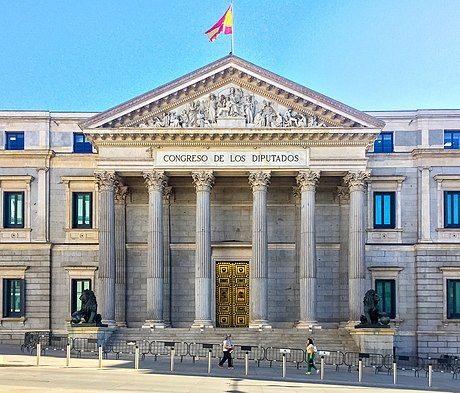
224 25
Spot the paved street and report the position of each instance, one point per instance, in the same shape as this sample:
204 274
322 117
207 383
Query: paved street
19 373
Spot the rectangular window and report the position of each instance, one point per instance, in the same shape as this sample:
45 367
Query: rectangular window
451 209
386 289
384 210
384 143
13 209
14 141
81 144
78 286
82 205
453 299
452 139
13 298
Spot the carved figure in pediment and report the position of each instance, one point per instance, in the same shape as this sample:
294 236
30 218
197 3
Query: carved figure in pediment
301 120
259 119
212 108
193 114
290 119
313 122
223 106
174 120
269 114
235 102
279 120
249 107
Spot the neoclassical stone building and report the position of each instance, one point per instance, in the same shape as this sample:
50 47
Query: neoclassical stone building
232 197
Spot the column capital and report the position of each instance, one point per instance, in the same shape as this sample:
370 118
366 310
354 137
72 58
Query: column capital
167 193
356 181
155 180
307 180
203 180
296 194
343 193
259 180
106 180
120 194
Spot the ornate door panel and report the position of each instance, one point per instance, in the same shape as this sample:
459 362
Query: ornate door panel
232 294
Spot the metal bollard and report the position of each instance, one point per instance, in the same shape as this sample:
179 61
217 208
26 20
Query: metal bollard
100 356
246 364
172 359
322 368
395 373
39 353
209 361
284 365
136 358
430 375
67 360
360 370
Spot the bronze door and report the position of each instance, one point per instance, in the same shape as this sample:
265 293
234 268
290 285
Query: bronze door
232 294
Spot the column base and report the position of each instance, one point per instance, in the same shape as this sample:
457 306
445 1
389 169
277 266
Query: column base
259 324
307 325
109 322
202 324
151 324
121 324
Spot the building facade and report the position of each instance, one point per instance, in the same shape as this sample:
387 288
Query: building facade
232 197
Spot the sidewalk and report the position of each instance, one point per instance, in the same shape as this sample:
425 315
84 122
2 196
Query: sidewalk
19 373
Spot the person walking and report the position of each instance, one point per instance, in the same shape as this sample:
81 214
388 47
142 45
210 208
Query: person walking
227 349
311 351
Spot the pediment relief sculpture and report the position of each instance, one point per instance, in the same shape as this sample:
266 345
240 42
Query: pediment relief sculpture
231 106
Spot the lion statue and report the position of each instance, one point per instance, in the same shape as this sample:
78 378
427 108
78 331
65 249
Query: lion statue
372 315
88 310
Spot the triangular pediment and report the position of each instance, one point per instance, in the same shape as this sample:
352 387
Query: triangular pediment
232 93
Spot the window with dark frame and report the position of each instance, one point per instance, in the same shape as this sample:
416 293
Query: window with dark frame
386 289
78 286
453 299
14 141
452 139
13 298
384 210
13 209
384 143
82 210
451 209
81 144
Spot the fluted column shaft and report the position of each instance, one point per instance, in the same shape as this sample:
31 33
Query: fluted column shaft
120 255
307 182
155 181
258 269
356 182
107 182
167 193
203 182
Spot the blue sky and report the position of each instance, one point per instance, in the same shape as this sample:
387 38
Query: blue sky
91 55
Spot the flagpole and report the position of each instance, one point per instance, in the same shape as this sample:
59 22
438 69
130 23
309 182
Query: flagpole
233 29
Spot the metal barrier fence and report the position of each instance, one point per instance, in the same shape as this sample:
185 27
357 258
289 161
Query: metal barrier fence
373 360
52 342
293 355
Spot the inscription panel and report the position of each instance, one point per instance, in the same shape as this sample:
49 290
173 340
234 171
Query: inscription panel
239 159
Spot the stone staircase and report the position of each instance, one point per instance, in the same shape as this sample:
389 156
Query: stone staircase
334 339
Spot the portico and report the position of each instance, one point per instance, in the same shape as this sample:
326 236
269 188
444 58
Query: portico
232 180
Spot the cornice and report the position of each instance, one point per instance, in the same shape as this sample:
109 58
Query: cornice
232 137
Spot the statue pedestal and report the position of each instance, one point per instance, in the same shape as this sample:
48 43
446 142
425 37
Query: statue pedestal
102 334
374 340
228 121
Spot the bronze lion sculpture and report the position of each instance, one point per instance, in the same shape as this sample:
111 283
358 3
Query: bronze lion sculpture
372 315
88 311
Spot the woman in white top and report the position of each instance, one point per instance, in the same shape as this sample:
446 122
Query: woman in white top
227 349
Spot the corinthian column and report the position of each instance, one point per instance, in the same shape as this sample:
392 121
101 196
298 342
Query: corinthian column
156 182
106 182
203 184
356 182
120 255
307 181
258 269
